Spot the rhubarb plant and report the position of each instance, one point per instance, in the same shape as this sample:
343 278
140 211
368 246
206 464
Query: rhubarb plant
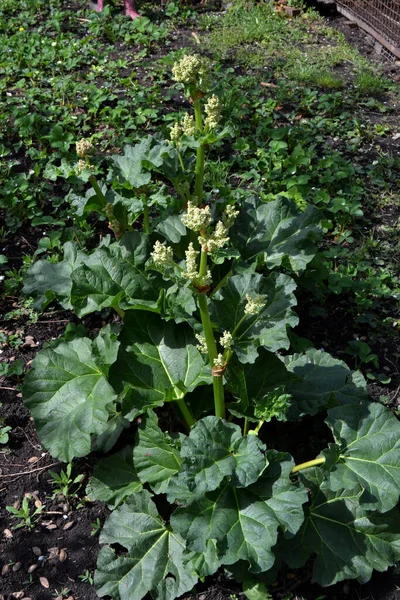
204 288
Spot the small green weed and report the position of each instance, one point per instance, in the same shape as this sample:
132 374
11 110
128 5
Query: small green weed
28 517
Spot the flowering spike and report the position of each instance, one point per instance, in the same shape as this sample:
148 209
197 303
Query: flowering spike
196 218
161 255
254 305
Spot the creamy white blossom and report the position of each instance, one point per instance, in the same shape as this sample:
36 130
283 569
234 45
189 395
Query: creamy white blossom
229 215
202 345
254 304
219 361
226 340
188 125
217 239
161 255
191 262
175 132
213 111
196 219
193 70
83 147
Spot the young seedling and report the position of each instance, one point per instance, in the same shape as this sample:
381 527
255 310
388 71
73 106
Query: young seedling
28 517
64 484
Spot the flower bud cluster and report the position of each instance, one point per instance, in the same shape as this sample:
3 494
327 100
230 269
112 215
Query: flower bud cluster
83 147
82 165
254 304
192 272
188 125
175 133
219 237
194 71
196 219
219 362
213 111
226 340
161 255
202 345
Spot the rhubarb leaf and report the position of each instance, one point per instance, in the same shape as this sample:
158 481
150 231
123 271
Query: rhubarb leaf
277 232
349 541
114 479
367 453
244 522
156 457
215 449
255 385
321 381
268 327
115 276
156 560
68 395
46 281
158 360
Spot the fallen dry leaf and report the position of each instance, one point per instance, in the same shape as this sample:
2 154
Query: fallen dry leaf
44 582
63 555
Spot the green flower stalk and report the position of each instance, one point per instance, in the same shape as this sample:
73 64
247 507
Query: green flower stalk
194 73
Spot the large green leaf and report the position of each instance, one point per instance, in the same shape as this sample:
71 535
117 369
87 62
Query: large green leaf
268 328
243 522
115 276
321 381
255 385
215 449
277 232
130 164
349 540
156 560
114 479
134 165
156 456
158 360
67 394
45 280
367 453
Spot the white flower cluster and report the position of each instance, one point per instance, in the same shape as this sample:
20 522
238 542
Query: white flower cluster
193 71
188 125
213 111
192 270
162 255
219 362
229 216
226 340
83 147
175 133
196 219
254 305
202 345
219 237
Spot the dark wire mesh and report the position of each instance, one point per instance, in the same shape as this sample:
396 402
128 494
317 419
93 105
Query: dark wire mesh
382 18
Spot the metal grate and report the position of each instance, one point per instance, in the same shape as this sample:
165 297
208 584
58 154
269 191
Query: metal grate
380 18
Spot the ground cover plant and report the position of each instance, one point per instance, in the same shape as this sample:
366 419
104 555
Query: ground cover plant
193 246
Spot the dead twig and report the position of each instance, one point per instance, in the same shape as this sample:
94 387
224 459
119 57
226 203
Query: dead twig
31 471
